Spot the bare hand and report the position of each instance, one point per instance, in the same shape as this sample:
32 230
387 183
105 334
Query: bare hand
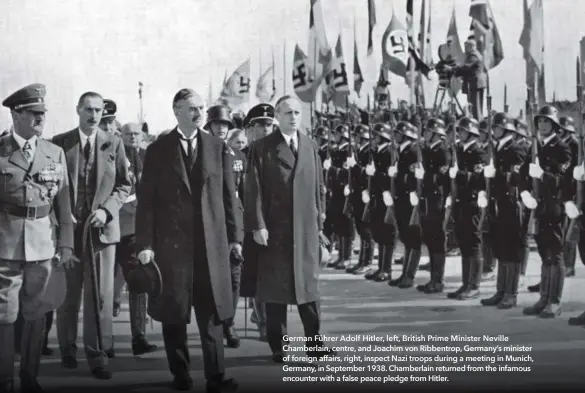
99 218
261 237
65 258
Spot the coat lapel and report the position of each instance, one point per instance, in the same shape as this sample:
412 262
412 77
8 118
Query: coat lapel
103 154
283 152
305 153
204 153
71 148
176 157
17 158
41 159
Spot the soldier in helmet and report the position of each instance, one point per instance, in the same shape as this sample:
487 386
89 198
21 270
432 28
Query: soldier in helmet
489 263
467 208
554 159
406 198
343 227
569 136
435 189
360 198
506 223
219 121
326 149
383 225
108 122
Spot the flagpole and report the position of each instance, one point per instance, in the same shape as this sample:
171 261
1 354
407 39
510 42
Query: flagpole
140 86
312 106
273 75
284 69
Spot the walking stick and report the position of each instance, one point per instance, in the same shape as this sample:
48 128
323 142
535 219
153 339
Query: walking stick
246 317
98 304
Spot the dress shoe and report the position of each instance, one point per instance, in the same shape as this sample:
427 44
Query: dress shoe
69 362
406 283
455 295
578 320
30 385
425 266
223 385
101 373
262 332
570 272
534 288
140 346
488 276
469 294
117 309
551 311
46 351
182 382
278 357
231 337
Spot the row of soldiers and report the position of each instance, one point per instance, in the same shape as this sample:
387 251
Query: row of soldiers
395 181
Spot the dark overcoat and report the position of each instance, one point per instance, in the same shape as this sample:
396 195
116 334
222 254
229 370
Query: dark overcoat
165 224
283 195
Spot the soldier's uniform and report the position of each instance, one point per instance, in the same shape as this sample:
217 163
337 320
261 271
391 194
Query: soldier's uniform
435 189
470 185
382 215
33 191
554 160
108 121
407 139
487 246
506 186
359 189
570 247
326 149
340 208
524 141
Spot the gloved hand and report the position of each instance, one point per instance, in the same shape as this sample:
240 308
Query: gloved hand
346 191
571 210
489 171
528 200
448 201
419 173
350 161
327 164
535 171
482 201
365 196
453 171
146 256
370 169
579 173
392 171
388 201
413 198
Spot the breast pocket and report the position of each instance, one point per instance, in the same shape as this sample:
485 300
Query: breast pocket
10 180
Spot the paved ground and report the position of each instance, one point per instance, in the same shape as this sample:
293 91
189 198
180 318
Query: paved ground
352 306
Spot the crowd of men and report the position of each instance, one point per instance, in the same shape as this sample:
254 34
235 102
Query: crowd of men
219 207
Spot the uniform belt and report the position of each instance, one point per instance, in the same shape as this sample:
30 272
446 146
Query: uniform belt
28 212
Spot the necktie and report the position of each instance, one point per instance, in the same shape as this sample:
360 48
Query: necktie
87 150
189 148
27 151
293 148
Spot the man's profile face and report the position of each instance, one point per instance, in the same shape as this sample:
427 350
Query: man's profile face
190 111
289 114
90 113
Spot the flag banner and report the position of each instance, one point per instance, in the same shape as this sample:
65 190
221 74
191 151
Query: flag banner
236 90
336 81
453 42
395 47
304 84
265 89
319 52
358 78
371 24
486 33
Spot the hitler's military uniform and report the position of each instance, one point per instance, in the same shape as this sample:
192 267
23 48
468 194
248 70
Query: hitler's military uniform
405 188
435 189
506 187
359 201
340 207
470 185
383 217
34 190
554 160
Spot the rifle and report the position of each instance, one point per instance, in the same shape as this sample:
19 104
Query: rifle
368 207
530 111
578 184
415 215
389 216
453 193
347 206
484 212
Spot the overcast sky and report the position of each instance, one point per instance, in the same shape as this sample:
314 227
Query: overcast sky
108 46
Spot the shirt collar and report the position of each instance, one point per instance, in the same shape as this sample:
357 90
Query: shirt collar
21 141
287 138
182 134
468 144
382 146
435 143
404 145
84 138
502 142
548 139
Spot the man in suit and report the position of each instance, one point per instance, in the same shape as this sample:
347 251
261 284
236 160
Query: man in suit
100 185
33 185
187 219
284 206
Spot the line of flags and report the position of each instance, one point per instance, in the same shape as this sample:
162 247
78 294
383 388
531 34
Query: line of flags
324 68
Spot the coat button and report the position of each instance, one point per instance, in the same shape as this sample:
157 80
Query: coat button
29 200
